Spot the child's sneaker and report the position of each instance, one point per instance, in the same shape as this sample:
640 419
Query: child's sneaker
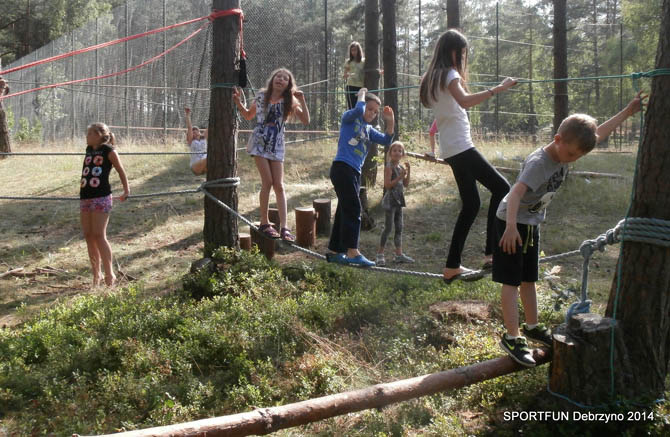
380 260
402 258
518 349
540 333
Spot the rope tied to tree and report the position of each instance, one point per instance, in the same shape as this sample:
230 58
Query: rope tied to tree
637 229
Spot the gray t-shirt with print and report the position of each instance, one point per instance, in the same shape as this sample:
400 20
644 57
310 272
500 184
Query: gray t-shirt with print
543 176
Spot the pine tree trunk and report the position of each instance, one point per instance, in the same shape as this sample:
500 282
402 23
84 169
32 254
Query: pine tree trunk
220 226
639 307
643 304
453 15
390 55
560 63
371 67
5 145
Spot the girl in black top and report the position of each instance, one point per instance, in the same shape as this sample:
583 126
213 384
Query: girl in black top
96 198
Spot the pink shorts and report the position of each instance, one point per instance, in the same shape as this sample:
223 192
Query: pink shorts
97 204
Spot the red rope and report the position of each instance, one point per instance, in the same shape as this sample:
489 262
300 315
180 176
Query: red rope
104 76
214 15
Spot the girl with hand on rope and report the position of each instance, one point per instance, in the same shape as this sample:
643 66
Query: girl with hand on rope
197 142
279 101
96 198
444 89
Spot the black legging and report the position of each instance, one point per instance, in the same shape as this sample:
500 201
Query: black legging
352 95
468 168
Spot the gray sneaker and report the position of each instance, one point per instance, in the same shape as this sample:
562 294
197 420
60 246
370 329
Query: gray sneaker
402 258
380 260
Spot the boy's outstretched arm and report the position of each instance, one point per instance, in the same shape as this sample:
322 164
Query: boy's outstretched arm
511 238
634 106
389 120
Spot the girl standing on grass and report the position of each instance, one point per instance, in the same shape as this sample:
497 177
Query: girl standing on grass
273 105
444 88
96 198
396 178
353 73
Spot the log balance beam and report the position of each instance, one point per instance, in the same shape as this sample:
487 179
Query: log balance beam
586 174
264 421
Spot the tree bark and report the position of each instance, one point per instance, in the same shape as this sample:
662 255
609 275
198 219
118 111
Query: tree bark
220 227
390 56
560 63
5 145
643 304
371 66
453 15
264 421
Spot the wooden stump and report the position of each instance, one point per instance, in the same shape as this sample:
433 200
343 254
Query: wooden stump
305 226
245 241
273 216
322 208
265 245
578 370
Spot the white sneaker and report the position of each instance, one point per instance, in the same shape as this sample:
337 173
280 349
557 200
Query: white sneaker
380 261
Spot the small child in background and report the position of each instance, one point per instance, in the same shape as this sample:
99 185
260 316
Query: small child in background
197 142
431 135
515 258
396 178
96 198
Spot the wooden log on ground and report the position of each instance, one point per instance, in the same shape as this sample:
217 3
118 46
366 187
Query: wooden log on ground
11 272
265 245
322 208
511 170
267 420
245 241
577 369
305 226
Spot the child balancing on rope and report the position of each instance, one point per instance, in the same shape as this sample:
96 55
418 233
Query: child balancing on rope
518 218
274 105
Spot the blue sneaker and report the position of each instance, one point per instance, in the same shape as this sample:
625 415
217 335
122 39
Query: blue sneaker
359 260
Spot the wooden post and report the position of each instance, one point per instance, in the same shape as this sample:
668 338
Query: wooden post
245 241
265 245
273 215
305 226
578 367
264 421
322 208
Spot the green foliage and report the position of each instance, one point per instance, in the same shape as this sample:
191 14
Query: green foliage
26 132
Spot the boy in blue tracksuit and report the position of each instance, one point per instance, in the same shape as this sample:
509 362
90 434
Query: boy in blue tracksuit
356 135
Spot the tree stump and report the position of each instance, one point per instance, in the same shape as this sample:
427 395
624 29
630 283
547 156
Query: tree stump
305 226
322 208
245 241
265 245
578 370
273 216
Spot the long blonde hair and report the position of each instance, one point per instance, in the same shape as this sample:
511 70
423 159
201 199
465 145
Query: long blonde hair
435 78
287 94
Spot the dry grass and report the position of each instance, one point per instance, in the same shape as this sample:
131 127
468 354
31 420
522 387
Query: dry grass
156 239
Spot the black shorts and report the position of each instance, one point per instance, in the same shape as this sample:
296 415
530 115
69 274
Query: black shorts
513 269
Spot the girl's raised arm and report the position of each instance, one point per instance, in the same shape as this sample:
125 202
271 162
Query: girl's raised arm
301 110
248 114
469 100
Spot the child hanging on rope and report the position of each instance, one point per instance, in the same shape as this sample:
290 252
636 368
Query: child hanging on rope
273 106
96 198
515 258
444 88
197 142
356 134
396 177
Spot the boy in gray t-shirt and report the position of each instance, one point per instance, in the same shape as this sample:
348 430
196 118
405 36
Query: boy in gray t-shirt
515 258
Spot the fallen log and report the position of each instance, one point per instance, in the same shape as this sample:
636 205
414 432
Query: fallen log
267 420
10 272
586 174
